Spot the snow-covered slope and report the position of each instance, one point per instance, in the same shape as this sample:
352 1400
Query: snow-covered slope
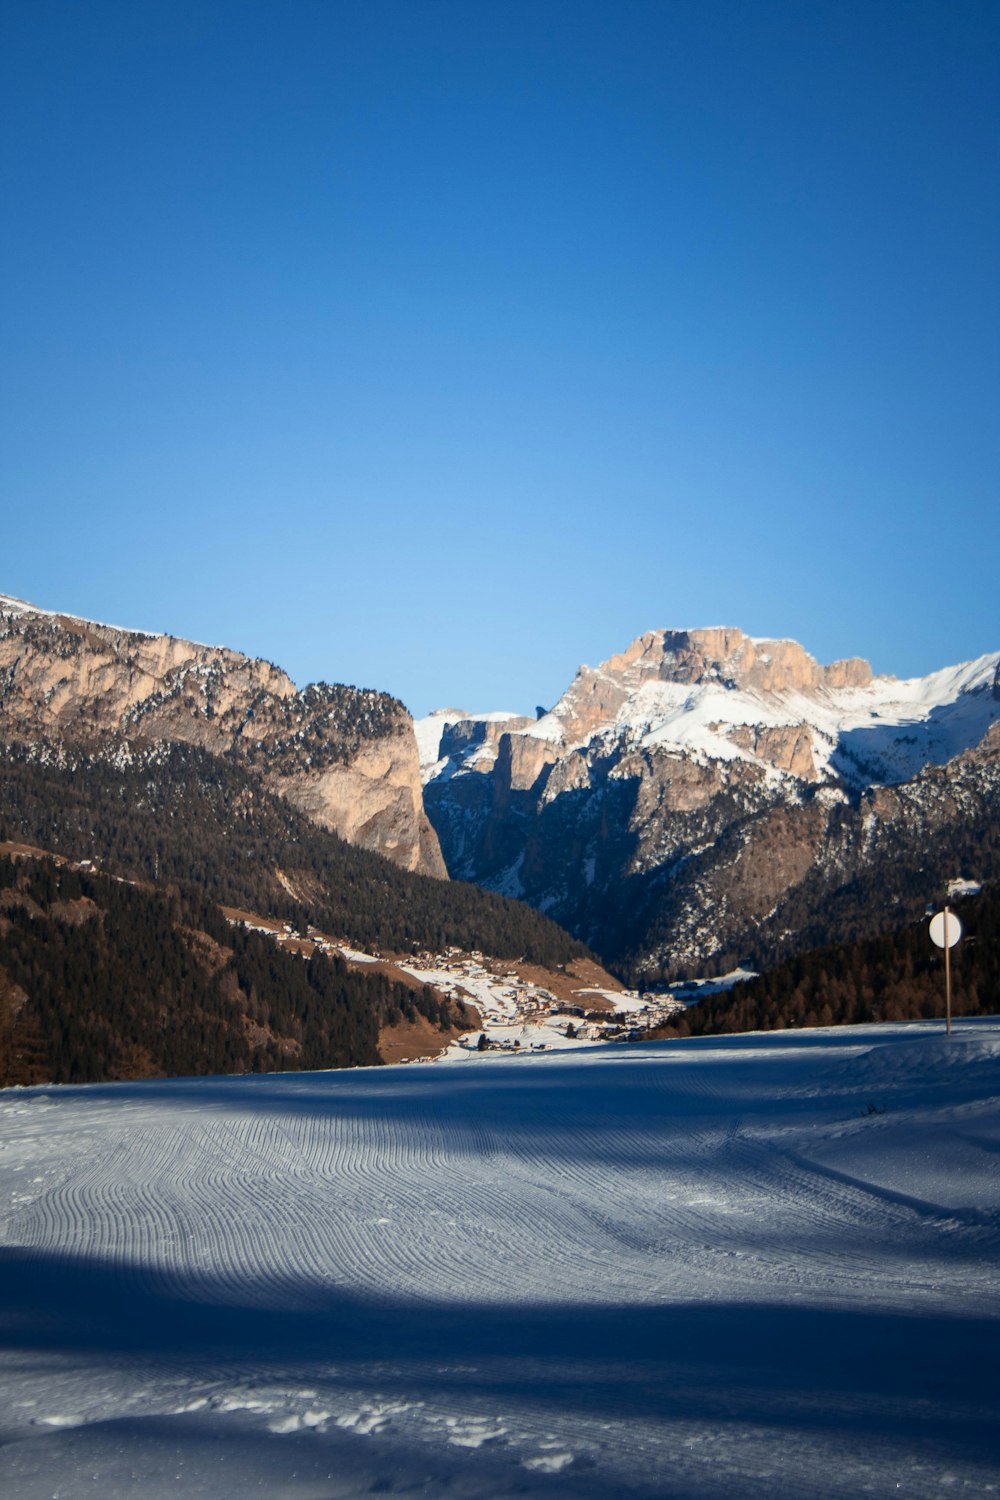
878 731
676 796
884 732
761 1266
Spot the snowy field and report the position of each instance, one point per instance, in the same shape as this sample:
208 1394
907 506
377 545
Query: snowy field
760 1266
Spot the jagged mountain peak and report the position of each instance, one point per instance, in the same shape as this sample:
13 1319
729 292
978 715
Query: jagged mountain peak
715 656
700 689
677 793
155 653
723 653
716 693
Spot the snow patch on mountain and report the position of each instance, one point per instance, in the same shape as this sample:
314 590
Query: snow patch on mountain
429 730
435 761
893 728
883 732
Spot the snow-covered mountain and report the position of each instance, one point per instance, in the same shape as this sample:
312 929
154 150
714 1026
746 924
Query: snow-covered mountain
702 800
701 691
709 753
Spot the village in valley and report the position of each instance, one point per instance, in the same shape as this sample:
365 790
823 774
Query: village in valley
524 1009
520 1007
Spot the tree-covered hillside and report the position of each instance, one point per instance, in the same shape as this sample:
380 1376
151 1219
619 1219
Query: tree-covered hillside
899 977
176 813
101 979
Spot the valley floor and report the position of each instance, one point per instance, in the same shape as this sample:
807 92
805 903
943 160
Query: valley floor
725 1268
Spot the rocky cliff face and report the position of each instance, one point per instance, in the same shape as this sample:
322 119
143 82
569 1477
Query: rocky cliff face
346 757
702 797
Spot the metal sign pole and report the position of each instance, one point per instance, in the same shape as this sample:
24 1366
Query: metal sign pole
947 972
945 931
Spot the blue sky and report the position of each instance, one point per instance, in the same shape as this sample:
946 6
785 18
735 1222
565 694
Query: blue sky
439 347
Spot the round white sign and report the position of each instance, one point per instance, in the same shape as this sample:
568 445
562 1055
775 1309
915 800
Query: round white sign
940 936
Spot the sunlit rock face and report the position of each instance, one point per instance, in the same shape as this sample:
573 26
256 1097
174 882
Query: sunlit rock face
705 797
346 757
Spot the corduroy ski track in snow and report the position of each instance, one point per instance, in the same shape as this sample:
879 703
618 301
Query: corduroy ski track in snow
752 1266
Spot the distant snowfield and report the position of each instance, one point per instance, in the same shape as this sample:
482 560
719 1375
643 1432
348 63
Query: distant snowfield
766 1265
884 732
890 728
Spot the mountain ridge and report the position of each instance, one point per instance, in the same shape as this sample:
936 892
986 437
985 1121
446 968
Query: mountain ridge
701 799
769 688
706 771
346 757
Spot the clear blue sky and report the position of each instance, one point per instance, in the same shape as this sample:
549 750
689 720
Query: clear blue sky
439 347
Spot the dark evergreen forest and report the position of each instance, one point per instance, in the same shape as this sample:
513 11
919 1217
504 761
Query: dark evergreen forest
899 977
178 814
100 979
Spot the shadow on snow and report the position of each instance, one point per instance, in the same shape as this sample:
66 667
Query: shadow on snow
902 1376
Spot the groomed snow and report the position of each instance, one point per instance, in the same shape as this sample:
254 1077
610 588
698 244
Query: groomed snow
727 1268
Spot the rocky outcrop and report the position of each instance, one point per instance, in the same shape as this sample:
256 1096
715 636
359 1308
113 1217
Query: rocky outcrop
786 748
476 742
722 655
344 756
592 701
520 763
764 666
374 801
704 797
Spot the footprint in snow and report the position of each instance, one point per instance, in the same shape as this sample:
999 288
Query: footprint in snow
313 1420
548 1463
281 1426
372 1418
468 1432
